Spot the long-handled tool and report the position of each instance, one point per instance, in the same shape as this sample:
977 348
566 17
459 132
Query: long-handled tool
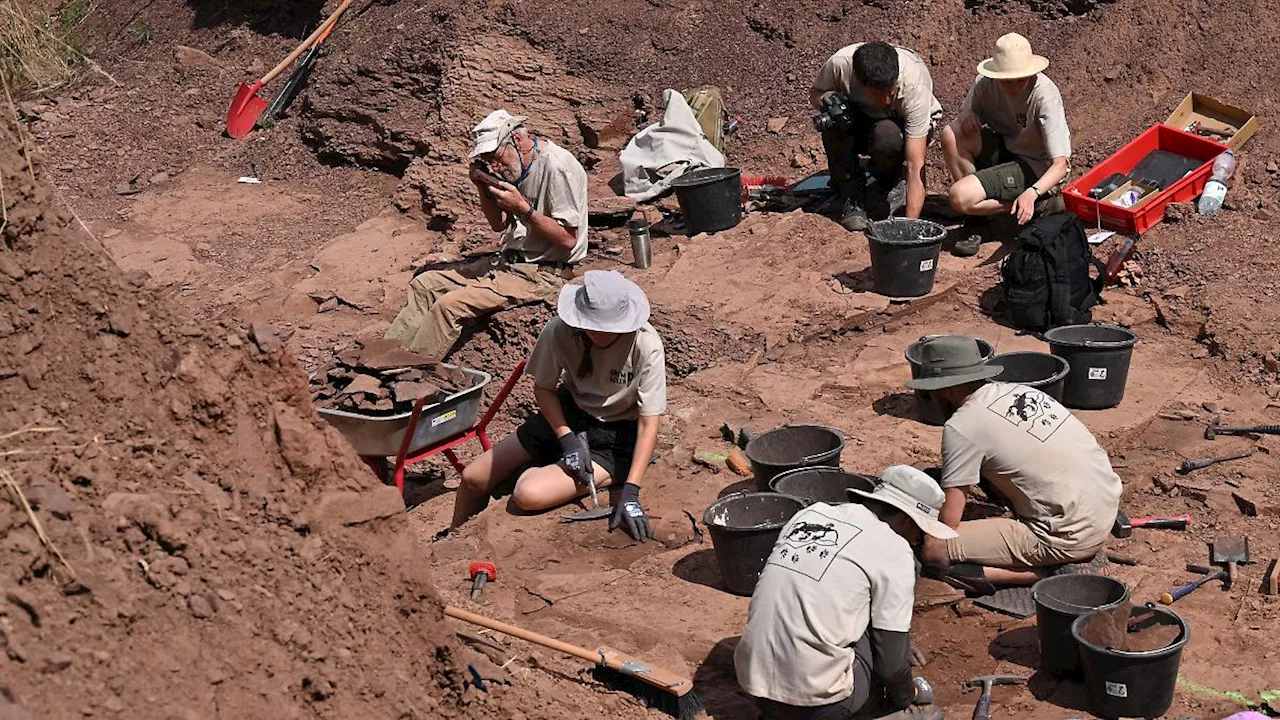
597 511
1124 525
658 688
1215 429
983 709
1207 575
1232 551
1189 466
247 107
295 81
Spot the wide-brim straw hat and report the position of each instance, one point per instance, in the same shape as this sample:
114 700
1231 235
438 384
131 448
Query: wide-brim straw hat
604 302
952 360
1013 60
914 493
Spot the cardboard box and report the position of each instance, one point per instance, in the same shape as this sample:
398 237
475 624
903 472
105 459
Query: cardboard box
1236 125
1114 194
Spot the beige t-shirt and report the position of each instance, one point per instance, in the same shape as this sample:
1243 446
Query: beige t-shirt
556 186
628 378
835 570
1033 125
1040 456
913 101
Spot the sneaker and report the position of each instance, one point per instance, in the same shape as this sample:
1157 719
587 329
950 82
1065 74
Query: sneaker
967 246
853 217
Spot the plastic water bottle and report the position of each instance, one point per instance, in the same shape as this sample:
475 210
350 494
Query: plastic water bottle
1216 189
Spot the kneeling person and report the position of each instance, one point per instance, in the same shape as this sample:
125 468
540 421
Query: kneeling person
599 371
1031 451
832 610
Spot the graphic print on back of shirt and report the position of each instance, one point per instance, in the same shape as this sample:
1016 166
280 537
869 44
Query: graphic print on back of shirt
812 543
1033 411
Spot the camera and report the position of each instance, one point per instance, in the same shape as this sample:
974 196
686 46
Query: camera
834 113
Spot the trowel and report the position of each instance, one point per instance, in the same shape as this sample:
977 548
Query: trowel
1231 550
597 511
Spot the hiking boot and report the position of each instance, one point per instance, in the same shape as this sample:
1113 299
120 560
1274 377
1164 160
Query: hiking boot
853 217
969 578
968 246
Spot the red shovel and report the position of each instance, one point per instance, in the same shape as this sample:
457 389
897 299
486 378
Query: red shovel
247 106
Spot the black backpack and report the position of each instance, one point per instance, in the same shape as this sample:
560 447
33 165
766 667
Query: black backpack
1046 277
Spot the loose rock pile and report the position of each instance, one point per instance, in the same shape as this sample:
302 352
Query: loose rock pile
380 377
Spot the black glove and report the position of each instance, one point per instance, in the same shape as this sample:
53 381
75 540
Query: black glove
576 458
628 511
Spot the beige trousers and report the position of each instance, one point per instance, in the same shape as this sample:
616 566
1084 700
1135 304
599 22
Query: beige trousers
441 300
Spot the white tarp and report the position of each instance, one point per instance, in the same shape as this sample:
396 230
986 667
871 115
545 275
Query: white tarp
666 150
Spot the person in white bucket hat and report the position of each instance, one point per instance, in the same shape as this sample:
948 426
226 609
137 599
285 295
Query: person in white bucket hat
830 618
600 382
535 194
1009 148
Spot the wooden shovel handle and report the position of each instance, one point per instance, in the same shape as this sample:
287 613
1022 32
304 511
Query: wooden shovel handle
533 637
311 39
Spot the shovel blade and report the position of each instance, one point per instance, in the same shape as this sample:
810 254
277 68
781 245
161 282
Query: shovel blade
596 513
245 109
1231 548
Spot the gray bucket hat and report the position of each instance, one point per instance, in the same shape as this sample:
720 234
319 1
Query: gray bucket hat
952 360
604 302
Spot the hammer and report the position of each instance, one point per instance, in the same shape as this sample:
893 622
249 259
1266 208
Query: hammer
1215 429
983 710
1123 526
1189 466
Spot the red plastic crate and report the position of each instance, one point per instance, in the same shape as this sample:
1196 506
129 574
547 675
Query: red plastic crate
1140 219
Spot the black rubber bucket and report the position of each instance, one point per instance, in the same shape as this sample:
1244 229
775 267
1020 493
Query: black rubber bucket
820 484
904 256
928 411
1042 371
791 447
710 199
1059 601
1099 357
744 528
1132 684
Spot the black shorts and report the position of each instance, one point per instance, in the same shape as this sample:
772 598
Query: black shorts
611 443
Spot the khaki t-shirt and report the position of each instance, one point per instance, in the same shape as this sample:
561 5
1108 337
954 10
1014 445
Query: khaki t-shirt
1033 125
556 186
835 570
913 101
628 378
1040 457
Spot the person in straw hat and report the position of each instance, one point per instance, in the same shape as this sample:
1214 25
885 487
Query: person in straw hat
831 615
1033 455
1008 149
600 383
535 194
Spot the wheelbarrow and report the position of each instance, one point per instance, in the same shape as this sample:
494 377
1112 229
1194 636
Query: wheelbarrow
431 428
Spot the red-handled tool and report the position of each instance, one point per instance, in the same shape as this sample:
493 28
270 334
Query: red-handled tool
1124 525
482 571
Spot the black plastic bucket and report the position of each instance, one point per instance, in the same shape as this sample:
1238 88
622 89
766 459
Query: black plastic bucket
820 484
927 411
1039 370
904 256
1099 356
1132 684
791 447
1059 601
744 528
710 199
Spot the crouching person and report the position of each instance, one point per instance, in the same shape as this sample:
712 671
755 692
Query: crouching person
830 618
599 374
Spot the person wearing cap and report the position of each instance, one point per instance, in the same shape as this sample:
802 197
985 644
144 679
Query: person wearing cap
534 193
1029 450
892 112
1009 148
600 383
831 615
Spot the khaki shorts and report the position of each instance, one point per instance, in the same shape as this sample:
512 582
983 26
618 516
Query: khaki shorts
1007 543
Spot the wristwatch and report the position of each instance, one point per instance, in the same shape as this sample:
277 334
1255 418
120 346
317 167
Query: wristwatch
527 215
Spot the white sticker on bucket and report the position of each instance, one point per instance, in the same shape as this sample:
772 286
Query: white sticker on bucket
1117 690
1097 373
926 265
439 420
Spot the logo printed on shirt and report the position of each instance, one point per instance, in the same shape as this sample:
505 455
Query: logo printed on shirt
812 543
1022 120
1033 411
621 377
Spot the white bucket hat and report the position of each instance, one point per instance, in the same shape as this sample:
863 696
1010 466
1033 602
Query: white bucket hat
604 302
1013 60
914 493
496 127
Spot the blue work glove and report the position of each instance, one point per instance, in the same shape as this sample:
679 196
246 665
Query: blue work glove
629 513
576 458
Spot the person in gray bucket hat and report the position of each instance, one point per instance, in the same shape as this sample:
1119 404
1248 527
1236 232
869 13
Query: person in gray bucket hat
600 383
1026 450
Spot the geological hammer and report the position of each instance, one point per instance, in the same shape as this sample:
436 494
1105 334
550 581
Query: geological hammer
1215 429
983 710
1124 526
1189 466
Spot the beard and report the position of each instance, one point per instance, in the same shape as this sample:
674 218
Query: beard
508 172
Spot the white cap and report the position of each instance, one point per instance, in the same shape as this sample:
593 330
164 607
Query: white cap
496 127
914 493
